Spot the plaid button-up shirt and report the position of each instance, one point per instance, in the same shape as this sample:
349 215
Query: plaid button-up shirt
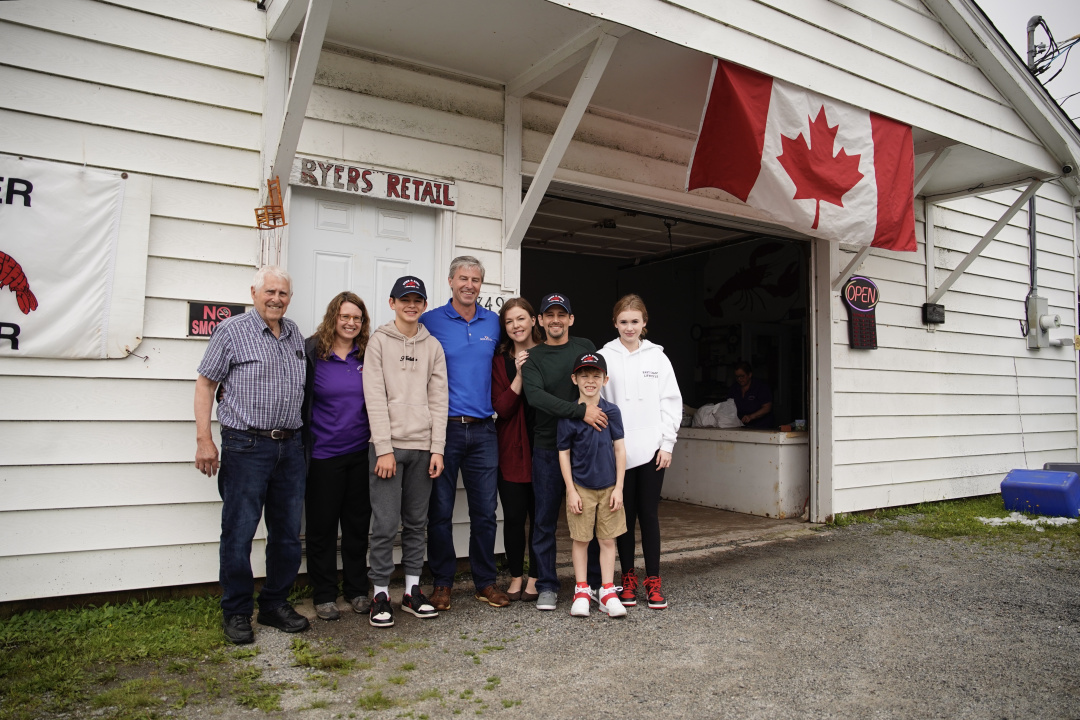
263 374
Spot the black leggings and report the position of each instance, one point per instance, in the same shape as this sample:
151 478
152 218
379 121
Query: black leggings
337 491
641 499
641 502
518 505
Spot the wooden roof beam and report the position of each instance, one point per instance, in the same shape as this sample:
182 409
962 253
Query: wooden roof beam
560 141
303 76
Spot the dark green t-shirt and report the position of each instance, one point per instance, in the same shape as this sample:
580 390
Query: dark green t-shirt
549 389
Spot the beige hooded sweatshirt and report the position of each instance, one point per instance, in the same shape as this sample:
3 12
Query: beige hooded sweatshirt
405 390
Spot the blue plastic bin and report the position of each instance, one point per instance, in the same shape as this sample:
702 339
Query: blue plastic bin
1042 492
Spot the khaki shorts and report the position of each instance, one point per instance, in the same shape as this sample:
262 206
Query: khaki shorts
596 513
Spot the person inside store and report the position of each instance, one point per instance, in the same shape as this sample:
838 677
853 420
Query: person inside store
336 435
753 398
514 425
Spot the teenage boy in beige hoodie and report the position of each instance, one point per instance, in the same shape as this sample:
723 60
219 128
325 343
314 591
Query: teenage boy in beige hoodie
407 400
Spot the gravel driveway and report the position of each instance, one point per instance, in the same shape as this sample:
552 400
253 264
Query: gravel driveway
838 623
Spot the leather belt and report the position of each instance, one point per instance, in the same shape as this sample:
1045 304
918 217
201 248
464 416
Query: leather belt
465 419
272 434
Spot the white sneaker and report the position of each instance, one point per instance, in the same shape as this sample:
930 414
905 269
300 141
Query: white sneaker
580 608
612 605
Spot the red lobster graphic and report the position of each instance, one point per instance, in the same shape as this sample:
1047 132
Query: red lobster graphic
13 278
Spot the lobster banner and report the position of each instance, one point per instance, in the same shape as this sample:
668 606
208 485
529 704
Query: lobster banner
59 228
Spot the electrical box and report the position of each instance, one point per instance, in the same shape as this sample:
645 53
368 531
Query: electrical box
1039 322
933 314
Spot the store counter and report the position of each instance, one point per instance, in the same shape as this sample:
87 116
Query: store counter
758 472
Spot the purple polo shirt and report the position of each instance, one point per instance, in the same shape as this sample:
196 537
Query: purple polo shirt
339 422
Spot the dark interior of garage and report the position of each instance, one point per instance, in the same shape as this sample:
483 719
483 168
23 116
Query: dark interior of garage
715 296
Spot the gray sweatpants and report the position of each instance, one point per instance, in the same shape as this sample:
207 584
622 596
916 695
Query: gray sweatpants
400 501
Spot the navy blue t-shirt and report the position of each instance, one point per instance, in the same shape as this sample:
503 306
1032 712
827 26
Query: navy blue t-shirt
592 452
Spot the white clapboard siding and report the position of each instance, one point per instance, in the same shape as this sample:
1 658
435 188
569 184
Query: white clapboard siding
910 18
96 442
408 120
190 279
80 486
114 149
851 33
240 18
165 359
179 198
60 398
203 241
932 415
112 25
49 96
478 232
479 200
361 145
40 532
607 162
659 143
74 573
347 72
71 57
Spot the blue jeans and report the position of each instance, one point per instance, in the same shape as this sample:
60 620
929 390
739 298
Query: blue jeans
473 449
548 490
257 474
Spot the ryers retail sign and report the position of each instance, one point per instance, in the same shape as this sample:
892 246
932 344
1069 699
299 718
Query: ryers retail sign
340 176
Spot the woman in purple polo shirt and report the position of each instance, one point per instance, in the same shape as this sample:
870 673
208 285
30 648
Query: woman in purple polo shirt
336 435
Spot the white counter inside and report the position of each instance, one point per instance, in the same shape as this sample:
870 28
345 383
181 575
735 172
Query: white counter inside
759 472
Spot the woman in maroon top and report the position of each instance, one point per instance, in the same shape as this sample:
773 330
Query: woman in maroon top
336 436
514 427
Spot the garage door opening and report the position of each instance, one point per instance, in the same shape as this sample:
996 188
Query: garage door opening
716 296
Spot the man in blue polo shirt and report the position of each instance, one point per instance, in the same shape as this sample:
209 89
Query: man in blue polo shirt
468 334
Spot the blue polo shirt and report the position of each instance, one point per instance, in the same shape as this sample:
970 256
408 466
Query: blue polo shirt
469 349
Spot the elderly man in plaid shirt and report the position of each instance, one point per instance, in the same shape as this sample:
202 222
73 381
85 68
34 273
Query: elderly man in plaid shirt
259 359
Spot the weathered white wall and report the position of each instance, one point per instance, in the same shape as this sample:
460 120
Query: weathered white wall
97 486
403 118
944 414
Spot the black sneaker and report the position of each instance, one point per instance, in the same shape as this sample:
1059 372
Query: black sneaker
381 615
238 629
418 605
284 618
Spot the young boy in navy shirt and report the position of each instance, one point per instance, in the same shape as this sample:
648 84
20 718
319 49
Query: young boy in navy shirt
593 463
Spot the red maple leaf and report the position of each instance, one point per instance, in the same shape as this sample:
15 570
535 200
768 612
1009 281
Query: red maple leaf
811 165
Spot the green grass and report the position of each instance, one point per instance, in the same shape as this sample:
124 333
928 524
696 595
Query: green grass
375 701
51 660
327 658
958 518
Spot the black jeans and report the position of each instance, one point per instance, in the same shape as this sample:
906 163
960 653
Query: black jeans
641 501
337 492
519 506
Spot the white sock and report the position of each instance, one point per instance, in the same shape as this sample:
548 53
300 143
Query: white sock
410 581
382 589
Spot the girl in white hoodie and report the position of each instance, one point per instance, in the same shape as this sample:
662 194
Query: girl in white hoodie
644 387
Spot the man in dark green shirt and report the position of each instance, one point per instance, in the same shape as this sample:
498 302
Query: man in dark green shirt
551 392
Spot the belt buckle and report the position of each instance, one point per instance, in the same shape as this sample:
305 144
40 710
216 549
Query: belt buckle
277 434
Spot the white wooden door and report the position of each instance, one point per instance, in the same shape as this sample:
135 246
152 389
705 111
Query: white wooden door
337 243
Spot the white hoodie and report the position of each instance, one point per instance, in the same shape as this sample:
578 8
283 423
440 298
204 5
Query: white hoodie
642 383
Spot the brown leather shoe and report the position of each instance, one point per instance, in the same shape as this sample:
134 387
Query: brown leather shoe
440 598
493 596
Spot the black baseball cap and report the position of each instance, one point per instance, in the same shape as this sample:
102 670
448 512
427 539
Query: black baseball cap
554 299
409 285
590 360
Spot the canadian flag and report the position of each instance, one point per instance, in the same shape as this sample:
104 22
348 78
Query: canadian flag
810 162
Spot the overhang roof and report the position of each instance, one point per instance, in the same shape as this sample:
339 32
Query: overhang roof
656 80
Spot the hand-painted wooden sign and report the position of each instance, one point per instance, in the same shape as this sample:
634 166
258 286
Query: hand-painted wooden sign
861 297
340 176
204 317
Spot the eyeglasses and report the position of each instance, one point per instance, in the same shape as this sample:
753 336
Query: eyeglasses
358 319
740 376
